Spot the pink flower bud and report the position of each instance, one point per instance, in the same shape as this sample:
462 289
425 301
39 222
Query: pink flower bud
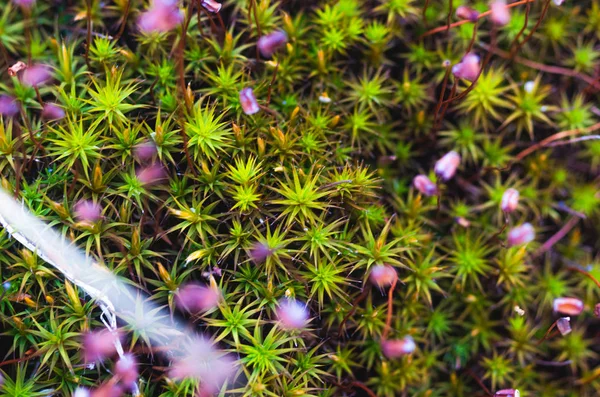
99 345
510 200
507 393
211 6
383 275
162 16
248 101
88 211
126 369
145 151
16 68
568 306
500 14
8 106
151 174
558 2
564 325
260 252
52 111
597 310
468 68
36 75
424 185
271 42
109 389
292 314
522 234
197 298
398 347
81 392
467 13
445 168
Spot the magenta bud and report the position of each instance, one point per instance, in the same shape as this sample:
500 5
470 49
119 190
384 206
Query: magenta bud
463 12
522 234
197 298
564 325
162 16
87 211
52 111
145 151
99 345
8 106
500 15
271 42
211 6
445 168
510 200
292 314
424 185
568 306
126 369
508 393
151 174
468 68
248 101
398 347
383 275
597 310
16 68
36 75
260 252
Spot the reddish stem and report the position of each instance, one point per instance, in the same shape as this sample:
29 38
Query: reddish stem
388 320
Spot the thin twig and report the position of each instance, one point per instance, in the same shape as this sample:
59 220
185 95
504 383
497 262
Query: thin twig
537 25
124 22
515 42
558 235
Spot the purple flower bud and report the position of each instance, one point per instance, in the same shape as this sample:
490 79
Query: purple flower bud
260 252
81 392
507 393
292 314
467 13
398 347
211 6
248 101
510 200
99 345
88 211
126 369
568 306
500 14
151 174
383 275
145 151
522 234
558 2
468 68
162 16
424 185
271 42
8 106
52 111
445 168
197 298
564 325
36 75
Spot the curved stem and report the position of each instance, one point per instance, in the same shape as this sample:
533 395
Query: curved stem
388 320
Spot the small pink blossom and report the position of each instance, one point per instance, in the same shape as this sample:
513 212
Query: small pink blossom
270 43
145 151
424 185
522 234
88 211
467 13
212 5
162 16
8 106
564 325
468 68
292 314
99 345
558 2
36 75
383 275
398 347
500 14
16 68
568 306
248 101
82 392
151 174
510 200
445 168
52 111
126 369
109 389
260 252
196 298
507 393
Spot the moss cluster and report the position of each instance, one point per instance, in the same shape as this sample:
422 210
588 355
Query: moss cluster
358 102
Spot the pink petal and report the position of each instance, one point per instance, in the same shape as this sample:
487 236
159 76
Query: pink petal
424 185
145 151
383 275
398 347
248 101
468 68
88 211
197 298
8 106
510 200
52 111
36 75
522 234
151 174
292 314
500 14
99 345
445 168
211 5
